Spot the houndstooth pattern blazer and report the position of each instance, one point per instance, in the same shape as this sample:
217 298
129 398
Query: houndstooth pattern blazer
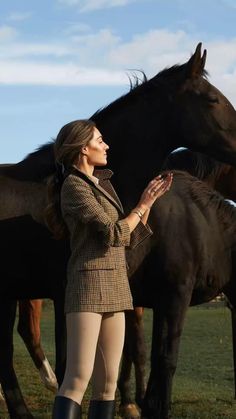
96 273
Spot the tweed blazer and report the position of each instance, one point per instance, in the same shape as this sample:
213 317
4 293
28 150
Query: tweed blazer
96 274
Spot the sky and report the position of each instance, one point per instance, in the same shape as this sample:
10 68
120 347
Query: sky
61 60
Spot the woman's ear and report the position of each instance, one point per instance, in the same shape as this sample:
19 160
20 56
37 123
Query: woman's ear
84 150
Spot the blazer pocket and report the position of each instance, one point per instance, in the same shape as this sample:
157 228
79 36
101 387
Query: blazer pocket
96 264
97 286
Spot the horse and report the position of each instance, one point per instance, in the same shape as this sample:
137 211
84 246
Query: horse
192 260
177 107
219 176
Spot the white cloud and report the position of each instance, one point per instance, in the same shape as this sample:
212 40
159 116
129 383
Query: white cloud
18 16
89 5
14 73
34 50
7 33
75 28
85 49
104 58
152 50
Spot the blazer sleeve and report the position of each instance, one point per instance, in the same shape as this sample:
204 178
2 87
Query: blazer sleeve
139 234
78 200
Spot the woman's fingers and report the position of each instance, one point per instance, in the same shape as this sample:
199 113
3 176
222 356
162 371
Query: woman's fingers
166 177
160 182
163 187
156 188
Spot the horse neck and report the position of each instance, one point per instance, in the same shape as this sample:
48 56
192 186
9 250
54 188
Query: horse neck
138 145
223 180
135 169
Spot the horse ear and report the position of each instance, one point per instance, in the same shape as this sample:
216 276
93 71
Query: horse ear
196 64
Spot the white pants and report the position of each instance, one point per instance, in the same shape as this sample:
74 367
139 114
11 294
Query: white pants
94 348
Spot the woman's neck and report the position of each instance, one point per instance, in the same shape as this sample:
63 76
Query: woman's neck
85 168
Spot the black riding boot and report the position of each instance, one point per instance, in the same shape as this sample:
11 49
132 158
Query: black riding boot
65 408
101 409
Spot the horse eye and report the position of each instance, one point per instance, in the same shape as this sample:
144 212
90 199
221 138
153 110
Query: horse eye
213 99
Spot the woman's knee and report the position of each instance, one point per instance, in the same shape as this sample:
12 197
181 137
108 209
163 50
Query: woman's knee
105 389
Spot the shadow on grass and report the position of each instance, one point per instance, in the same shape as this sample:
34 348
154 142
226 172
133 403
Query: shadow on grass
198 408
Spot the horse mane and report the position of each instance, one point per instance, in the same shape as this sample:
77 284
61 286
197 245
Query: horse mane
135 81
206 197
140 87
197 164
136 85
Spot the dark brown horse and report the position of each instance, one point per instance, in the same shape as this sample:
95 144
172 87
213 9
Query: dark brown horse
177 107
219 176
191 262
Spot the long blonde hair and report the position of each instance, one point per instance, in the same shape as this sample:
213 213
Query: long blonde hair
70 140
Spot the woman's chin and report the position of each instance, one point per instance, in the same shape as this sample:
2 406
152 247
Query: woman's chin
104 163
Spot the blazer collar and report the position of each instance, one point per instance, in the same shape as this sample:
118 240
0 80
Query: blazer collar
102 175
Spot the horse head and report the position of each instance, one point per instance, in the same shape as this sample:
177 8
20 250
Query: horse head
200 113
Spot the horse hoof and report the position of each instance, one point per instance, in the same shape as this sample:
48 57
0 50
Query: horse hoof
129 411
48 377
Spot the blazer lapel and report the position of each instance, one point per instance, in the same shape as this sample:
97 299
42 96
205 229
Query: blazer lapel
104 176
116 201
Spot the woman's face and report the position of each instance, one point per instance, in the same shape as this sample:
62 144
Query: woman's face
96 150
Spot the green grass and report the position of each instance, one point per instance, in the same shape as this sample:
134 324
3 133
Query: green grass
203 385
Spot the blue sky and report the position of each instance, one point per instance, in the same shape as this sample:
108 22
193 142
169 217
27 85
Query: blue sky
61 60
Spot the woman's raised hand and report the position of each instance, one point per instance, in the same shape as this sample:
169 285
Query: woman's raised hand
155 189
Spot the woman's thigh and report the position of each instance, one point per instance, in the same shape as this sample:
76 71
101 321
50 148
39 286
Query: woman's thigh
108 355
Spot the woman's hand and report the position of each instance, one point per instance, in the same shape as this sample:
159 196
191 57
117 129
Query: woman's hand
155 189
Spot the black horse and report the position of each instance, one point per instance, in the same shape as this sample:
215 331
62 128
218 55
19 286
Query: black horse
177 107
222 178
191 261
219 176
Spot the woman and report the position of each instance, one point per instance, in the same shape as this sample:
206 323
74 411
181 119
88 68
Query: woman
97 291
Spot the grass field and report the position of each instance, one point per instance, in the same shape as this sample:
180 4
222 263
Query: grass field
203 385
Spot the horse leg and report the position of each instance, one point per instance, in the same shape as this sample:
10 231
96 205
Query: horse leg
15 403
233 321
29 330
168 323
134 352
230 292
139 356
